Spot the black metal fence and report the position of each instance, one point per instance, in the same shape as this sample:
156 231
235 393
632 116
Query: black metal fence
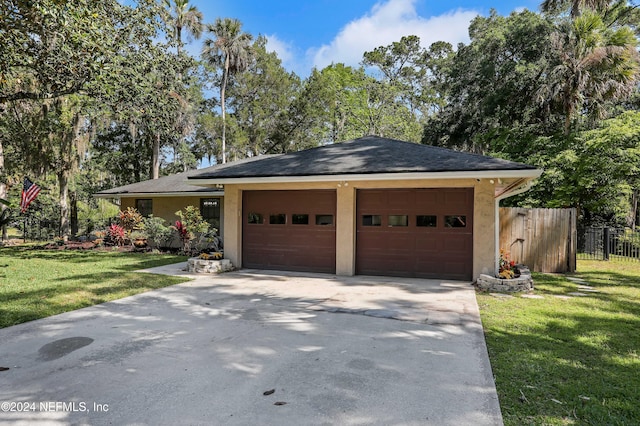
42 230
607 243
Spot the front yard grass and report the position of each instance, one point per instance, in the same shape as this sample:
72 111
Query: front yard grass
568 360
40 283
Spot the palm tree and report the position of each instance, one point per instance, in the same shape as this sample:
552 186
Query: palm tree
231 50
181 16
591 64
576 7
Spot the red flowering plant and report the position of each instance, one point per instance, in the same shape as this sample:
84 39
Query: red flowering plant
183 233
116 235
507 267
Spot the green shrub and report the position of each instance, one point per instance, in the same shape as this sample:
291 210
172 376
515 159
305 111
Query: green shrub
190 226
157 232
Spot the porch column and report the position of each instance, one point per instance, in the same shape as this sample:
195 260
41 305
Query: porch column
485 229
233 225
345 229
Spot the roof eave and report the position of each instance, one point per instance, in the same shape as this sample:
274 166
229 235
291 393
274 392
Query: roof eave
160 194
478 174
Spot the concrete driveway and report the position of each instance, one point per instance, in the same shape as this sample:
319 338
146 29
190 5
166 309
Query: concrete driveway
326 350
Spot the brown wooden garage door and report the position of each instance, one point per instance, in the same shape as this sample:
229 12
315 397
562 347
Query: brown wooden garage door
425 233
289 230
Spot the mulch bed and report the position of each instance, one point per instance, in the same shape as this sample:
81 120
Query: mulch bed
71 245
89 245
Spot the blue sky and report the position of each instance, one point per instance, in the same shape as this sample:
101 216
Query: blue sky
308 33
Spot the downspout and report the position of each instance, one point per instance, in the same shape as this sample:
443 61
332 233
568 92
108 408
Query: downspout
520 187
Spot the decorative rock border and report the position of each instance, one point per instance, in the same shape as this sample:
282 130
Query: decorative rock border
202 266
523 283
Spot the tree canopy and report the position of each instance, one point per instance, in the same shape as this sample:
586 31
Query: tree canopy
101 94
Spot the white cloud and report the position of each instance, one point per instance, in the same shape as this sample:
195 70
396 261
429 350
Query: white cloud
388 22
283 49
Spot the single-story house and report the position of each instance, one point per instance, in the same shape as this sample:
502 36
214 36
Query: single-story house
166 195
370 206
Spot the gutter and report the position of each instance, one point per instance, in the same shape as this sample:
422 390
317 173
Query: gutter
160 194
482 174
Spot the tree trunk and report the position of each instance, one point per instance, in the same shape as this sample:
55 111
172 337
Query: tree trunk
133 132
63 182
224 124
633 214
567 125
155 158
74 214
69 160
3 190
568 113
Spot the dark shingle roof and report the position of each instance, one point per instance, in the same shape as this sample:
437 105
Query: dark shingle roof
367 155
170 184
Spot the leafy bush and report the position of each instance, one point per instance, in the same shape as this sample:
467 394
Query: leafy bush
157 232
193 221
208 242
628 243
190 226
130 219
138 235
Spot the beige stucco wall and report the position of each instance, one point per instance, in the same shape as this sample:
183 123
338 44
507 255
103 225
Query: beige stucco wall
484 216
166 207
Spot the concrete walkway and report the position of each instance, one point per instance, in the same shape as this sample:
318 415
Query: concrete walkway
256 347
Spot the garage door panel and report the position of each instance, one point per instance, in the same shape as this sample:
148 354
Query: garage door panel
375 200
308 237
400 242
437 241
427 243
301 246
455 243
399 267
426 200
454 198
400 200
276 259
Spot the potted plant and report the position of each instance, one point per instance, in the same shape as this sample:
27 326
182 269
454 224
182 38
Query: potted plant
139 239
507 267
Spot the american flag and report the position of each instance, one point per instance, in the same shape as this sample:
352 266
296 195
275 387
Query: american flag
29 193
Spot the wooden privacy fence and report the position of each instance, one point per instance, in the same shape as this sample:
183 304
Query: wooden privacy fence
542 239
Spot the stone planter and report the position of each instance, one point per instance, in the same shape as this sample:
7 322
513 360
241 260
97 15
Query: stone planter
523 283
202 266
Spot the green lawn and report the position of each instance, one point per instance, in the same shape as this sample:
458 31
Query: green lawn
40 283
556 361
569 361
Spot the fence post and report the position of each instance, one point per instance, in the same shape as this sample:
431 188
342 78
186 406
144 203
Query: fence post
573 240
605 243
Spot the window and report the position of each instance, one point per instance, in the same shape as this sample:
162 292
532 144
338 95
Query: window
371 220
144 206
324 219
429 221
399 220
255 218
278 219
300 219
210 211
455 221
